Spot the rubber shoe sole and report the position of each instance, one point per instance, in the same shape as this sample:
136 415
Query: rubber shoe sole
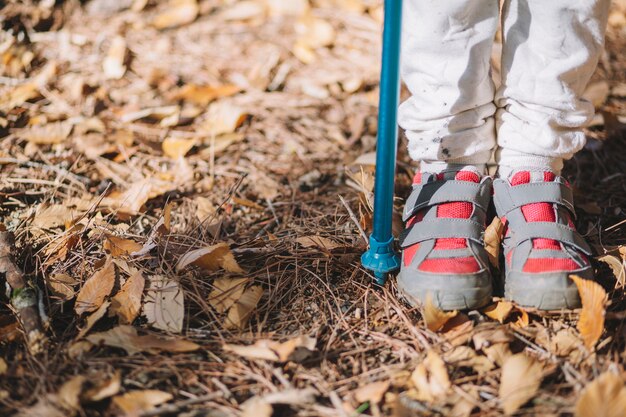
448 292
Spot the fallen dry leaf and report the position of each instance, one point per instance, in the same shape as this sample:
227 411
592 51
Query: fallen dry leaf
177 148
93 319
295 349
430 378
62 286
241 311
126 304
591 321
223 118
134 402
92 294
372 392
118 246
126 337
498 311
204 94
104 389
605 396
617 266
226 292
113 64
177 13
47 134
521 378
434 318
211 259
69 393
164 305
493 241
317 241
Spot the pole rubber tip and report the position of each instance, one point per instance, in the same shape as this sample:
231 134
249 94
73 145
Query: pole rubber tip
381 259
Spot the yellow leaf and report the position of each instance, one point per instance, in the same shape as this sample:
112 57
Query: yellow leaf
177 13
499 311
275 351
287 8
126 304
226 292
113 64
126 337
314 32
118 246
211 259
433 317
95 289
243 10
605 396
239 313
18 96
176 147
493 241
521 378
430 378
591 321
204 94
134 402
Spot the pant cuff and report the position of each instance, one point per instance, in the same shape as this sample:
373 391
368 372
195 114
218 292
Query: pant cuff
509 161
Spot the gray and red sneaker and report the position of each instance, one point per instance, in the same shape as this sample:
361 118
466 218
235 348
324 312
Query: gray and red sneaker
442 247
541 245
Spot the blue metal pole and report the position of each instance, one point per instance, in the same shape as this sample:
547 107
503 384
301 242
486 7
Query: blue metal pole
381 257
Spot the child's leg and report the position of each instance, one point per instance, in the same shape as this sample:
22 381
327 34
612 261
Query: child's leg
550 50
449 121
446 48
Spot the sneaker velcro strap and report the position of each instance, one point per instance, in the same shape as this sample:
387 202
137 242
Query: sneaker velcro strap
548 230
509 197
442 228
448 191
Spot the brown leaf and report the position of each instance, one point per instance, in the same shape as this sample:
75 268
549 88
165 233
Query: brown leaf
295 349
430 378
47 134
126 304
18 96
177 13
126 337
372 392
317 241
239 313
617 266
226 292
493 241
176 147
605 396
597 93
95 289
164 306
134 402
204 94
93 318
69 393
591 321
211 258
433 317
51 216
113 64
498 311
521 378
62 285
118 246
104 389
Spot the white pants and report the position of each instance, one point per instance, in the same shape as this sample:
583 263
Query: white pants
535 118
